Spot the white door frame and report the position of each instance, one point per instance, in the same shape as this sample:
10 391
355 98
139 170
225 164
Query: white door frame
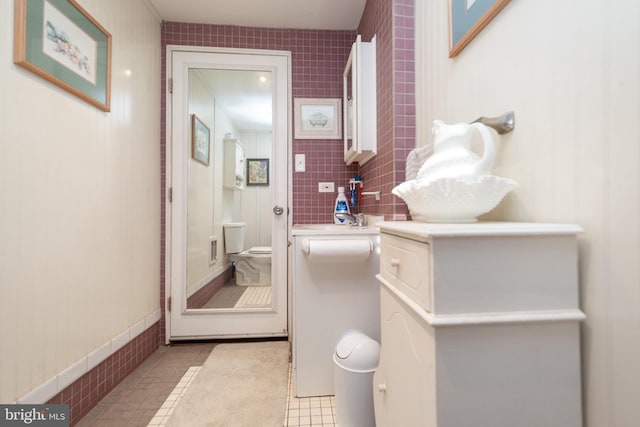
224 323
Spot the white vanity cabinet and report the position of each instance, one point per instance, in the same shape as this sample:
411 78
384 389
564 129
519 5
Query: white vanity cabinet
234 164
360 121
479 325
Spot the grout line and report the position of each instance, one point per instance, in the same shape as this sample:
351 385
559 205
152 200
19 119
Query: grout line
164 413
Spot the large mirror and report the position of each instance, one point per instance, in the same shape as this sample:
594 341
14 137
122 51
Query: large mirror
229 200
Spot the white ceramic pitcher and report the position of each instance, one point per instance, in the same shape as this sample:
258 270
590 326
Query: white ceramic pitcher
452 156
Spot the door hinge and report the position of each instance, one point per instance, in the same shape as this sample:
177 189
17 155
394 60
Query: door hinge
170 85
169 304
170 194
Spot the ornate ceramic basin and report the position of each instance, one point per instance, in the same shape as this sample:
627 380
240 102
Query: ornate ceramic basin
453 199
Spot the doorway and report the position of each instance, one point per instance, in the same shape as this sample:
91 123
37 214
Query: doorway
228 131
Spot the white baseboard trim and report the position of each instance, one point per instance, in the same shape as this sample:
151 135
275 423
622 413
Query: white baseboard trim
69 375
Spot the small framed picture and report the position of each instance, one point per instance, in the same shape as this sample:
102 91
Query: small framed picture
318 118
200 137
257 171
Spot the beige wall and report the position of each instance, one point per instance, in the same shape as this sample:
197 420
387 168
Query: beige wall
79 207
571 73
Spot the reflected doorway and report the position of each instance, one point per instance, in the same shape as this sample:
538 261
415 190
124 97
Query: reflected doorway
238 104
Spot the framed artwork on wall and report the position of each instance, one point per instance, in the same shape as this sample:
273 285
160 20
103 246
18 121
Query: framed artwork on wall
318 118
258 172
200 138
60 42
467 18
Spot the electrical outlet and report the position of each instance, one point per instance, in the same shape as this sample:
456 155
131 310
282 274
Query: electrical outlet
326 187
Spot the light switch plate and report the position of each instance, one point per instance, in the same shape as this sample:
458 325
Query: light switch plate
300 163
326 187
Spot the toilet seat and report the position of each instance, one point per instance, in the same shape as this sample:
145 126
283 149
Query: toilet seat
260 250
255 252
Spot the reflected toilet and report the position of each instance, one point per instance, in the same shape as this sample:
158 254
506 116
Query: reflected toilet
253 266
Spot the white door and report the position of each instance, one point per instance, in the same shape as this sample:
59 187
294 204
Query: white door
224 98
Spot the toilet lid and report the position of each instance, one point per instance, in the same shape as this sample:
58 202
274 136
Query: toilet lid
260 250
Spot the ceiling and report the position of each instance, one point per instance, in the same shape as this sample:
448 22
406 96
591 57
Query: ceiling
298 14
244 95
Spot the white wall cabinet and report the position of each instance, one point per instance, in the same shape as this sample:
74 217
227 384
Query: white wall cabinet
359 110
479 325
234 164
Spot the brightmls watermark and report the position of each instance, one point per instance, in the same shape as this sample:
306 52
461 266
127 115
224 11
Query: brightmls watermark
34 415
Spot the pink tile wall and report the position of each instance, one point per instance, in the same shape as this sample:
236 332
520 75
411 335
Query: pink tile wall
392 22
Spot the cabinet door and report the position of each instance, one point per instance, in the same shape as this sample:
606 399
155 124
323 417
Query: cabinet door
359 103
404 383
350 104
234 164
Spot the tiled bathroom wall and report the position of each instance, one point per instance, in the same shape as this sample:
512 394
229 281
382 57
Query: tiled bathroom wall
392 22
318 60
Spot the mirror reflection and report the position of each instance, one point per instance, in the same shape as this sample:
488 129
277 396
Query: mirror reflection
229 201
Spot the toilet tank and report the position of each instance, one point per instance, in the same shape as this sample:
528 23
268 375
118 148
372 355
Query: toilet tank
234 237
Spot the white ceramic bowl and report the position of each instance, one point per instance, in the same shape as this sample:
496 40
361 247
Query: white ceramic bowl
453 199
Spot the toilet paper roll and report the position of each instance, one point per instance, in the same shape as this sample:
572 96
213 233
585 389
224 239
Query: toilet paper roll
337 250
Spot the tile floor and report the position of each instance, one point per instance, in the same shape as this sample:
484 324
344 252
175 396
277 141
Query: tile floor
309 411
136 400
147 396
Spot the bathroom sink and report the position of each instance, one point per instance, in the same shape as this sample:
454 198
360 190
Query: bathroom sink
315 229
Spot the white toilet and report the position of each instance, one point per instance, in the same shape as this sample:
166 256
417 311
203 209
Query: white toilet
253 266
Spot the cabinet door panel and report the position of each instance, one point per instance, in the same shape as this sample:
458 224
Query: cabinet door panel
404 382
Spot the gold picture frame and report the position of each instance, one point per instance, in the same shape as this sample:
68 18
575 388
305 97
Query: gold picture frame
60 42
200 141
467 18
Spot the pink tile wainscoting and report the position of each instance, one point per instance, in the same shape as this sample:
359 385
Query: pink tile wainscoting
89 389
